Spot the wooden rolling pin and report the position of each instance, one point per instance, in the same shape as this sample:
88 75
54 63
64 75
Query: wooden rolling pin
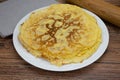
105 10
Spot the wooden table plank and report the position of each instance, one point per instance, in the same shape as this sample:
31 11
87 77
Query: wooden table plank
95 71
115 2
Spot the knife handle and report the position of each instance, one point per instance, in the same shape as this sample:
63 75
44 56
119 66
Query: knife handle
105 10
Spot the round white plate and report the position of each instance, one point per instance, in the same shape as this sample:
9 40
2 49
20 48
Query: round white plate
43 64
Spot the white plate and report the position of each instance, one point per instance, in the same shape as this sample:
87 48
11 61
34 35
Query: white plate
43 64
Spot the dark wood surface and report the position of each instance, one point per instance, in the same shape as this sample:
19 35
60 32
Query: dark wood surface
13 67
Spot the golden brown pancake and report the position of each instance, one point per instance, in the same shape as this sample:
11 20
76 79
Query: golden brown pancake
61 34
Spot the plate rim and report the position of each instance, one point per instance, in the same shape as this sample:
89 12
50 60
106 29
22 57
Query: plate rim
62 69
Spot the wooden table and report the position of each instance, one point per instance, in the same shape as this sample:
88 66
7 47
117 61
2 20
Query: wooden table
13 67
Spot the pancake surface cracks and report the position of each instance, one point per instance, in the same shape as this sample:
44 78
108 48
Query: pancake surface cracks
62 34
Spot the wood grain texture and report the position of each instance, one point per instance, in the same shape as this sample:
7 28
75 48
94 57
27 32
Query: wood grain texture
13 67
115 2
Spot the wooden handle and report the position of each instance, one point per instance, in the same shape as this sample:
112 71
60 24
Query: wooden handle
103 9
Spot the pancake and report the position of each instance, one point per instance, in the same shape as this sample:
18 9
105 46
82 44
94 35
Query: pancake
61 34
